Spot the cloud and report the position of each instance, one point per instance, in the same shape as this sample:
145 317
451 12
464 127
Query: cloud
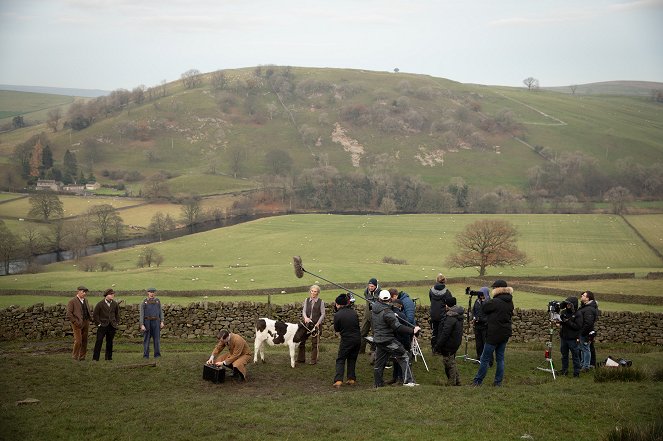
637 5
552 18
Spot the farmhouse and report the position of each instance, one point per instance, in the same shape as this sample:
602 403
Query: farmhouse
48 184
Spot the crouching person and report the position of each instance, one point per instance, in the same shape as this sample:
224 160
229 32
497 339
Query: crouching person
238 354
450 338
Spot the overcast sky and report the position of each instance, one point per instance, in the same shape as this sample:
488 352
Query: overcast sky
112 44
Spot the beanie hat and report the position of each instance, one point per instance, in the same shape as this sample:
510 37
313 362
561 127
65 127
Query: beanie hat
499 284
373 281
450 301
342 300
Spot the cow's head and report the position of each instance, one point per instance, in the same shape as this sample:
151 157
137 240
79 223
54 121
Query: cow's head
303 331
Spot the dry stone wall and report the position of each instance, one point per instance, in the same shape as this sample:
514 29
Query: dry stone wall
204 319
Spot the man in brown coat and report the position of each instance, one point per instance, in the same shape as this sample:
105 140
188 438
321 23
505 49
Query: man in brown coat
78 313
106 316
238 354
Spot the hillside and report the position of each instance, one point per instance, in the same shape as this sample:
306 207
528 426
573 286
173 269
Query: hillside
248 123
632 88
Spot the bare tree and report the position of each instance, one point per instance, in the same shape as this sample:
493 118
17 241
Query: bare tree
191 212
487 243
9 246
77 236
161 223
192 78
56 238
148 256
237 159
45 204
33 242
619 197
156 187
573 88
53 118
278 162
105 220
531 83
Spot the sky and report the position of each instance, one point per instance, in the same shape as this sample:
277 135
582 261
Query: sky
122 44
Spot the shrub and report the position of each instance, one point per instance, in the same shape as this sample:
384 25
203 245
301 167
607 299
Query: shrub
394 261
88 266
105 266
658 374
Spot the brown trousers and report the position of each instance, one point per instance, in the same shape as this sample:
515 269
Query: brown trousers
240 363
301 354
80 340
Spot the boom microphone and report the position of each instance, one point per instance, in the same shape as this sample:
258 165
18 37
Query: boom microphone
299 269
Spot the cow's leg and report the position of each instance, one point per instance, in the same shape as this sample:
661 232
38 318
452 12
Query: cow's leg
256 347
262 351
292 345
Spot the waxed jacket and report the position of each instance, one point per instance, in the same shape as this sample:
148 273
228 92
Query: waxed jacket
451 335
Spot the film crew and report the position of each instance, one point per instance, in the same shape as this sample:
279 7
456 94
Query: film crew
313 314
346 323
479 320
405 339
450 338
408 304
438 295
385 323
106 316
590 313
371 295
499 313
78 313
237 357
569 335
151 322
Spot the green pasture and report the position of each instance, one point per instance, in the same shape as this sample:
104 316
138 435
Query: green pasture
644 287
32 106
111 400
259 254
9 196
72 205
651 228
204 184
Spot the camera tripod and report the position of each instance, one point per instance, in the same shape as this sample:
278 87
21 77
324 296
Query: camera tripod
547 365
416 351
465 356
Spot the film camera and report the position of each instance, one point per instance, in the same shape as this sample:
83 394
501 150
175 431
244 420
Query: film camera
554 309
469 292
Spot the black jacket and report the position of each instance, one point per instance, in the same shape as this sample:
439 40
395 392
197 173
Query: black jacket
499 310
451 335
346 323
438 294
590 313
385 323
571 321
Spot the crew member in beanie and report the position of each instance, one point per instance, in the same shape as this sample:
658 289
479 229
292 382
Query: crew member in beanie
106 316
570 324
437 295
238 354
499 312
151 322
385 324
450 338
78 313
479 320
371 295
346 323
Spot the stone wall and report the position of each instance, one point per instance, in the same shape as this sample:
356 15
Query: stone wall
204 319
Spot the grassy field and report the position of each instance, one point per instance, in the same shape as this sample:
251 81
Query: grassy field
72 205
259 254
113 401
33 106
651 228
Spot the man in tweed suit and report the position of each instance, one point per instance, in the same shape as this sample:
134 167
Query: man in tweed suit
78 313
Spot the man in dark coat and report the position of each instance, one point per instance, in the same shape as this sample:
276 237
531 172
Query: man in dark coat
569 335
437 295
346 323
480 321
371 295
450 338
385 323
499 311
106 316
590 313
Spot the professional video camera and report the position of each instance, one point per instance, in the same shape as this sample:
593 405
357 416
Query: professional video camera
554 309
469 292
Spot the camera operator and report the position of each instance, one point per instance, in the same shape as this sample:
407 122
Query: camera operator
569 335
499 311
438 295
385 323
480 321
590 312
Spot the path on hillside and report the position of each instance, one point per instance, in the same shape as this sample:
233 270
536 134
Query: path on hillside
558 122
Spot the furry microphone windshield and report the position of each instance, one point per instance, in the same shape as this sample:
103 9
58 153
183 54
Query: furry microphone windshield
299 269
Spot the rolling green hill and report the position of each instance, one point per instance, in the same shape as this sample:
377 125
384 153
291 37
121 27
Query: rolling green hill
354 121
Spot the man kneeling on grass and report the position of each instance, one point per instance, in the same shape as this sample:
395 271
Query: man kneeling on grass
238 354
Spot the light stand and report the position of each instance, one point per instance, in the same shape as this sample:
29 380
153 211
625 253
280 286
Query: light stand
547 365
466 357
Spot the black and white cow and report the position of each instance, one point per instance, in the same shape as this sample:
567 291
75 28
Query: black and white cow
277 333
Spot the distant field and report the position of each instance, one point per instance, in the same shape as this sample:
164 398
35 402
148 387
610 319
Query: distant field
259 254
623 286
10 196
72 205
651 228
204 184
30 105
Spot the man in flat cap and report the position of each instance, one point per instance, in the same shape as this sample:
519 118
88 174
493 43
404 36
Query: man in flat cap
106 317
346 323
151 322
78 313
